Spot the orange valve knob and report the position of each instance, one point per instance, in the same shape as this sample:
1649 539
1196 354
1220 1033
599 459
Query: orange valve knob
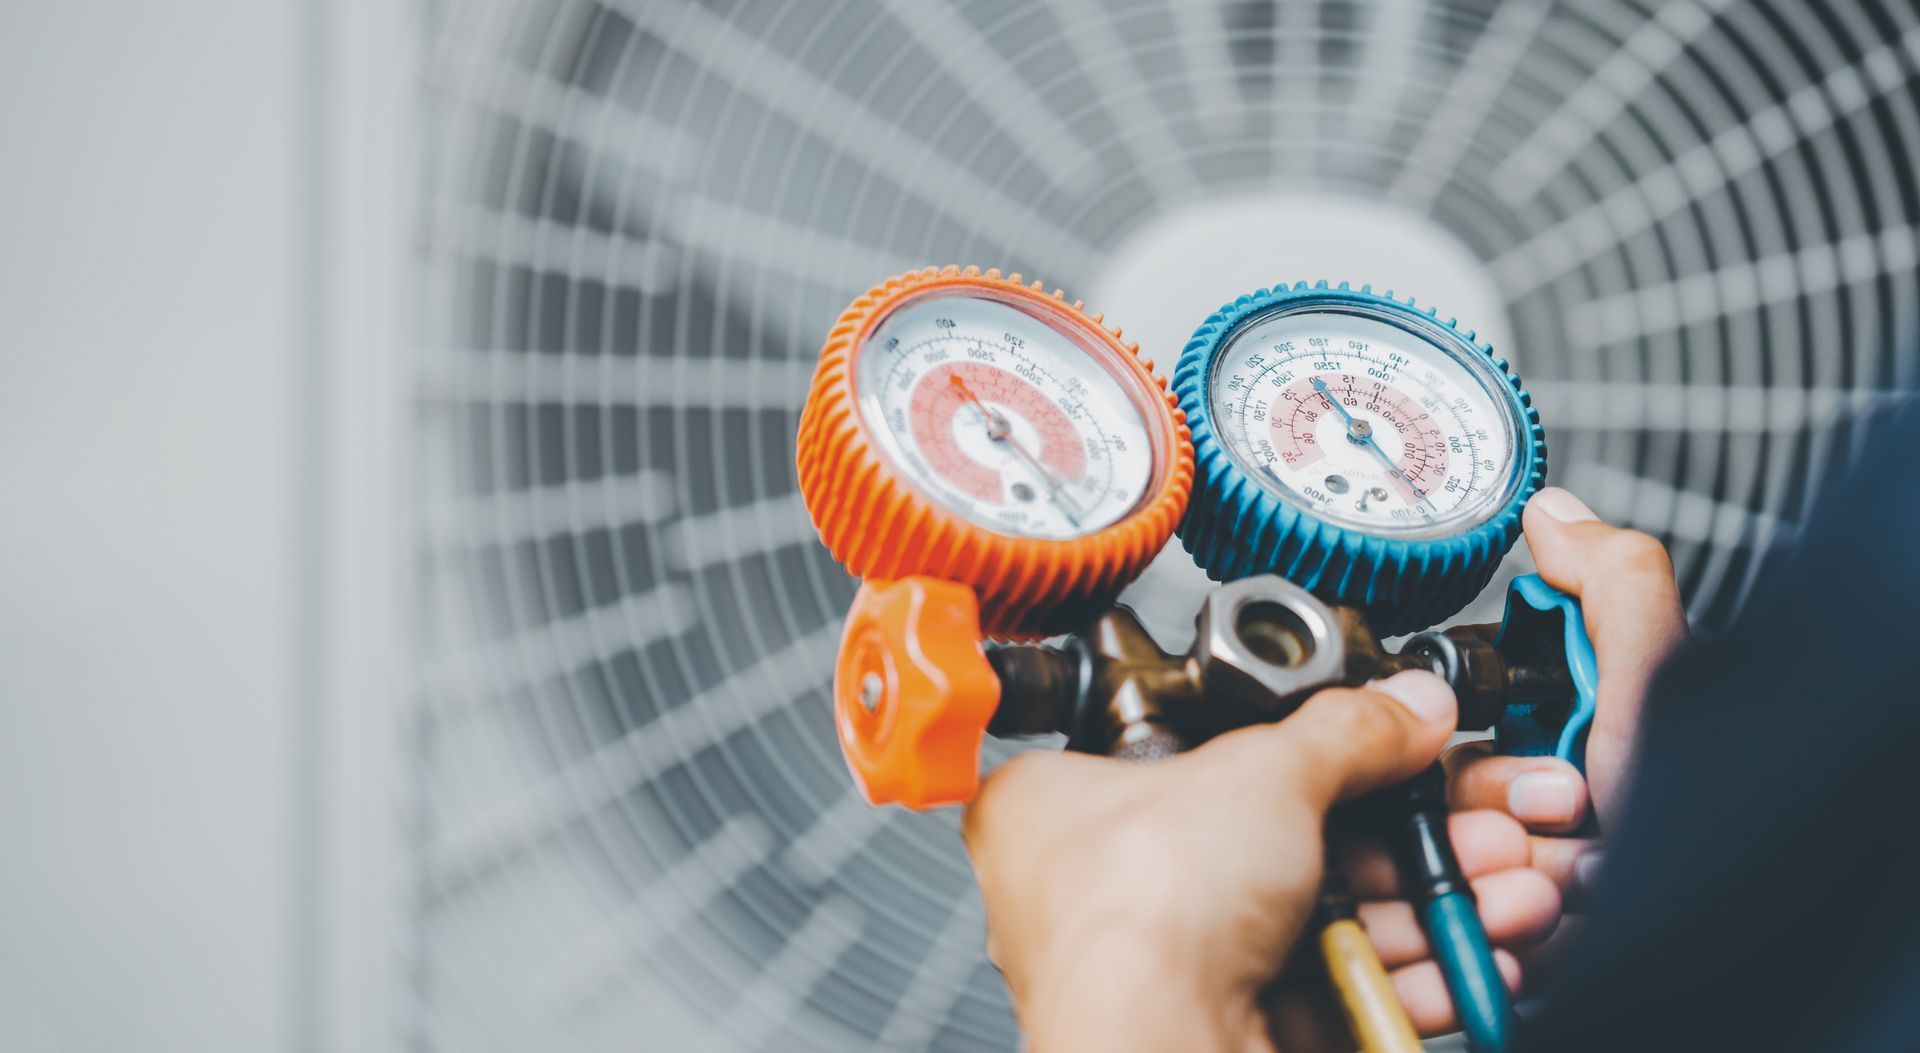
912 692
982 430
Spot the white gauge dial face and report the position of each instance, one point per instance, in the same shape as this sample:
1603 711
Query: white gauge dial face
1004 419
1364 423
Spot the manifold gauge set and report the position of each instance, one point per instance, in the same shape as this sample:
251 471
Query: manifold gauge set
996 464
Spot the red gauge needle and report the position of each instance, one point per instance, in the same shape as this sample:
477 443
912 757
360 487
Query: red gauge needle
1000 430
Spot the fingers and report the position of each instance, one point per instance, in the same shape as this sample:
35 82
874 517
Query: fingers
1344 741
1307 1017
1484 841
1545 793
1424 992
1519 908
1631 603
1571 863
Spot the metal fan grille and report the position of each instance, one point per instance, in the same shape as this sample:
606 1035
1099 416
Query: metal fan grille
640 218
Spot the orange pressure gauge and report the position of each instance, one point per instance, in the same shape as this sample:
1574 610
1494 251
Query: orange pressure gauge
974 428
981 431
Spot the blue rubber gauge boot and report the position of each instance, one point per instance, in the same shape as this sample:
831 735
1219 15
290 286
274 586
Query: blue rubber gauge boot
1365 448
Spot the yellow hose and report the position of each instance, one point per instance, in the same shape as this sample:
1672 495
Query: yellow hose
1373 1011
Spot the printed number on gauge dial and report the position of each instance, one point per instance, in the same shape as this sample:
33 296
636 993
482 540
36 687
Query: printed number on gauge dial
1003 419
1364 423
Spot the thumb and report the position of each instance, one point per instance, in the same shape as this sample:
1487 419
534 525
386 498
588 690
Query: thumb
1345 742
1623 578
1631 604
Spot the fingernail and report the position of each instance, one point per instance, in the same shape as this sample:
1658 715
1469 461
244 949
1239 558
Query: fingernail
1542 797
1562 505
1425 694
1586 872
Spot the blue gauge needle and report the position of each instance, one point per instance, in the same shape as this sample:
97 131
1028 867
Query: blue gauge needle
1360 433
1000 430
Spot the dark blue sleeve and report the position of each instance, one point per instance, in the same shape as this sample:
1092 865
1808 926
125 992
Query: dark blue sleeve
1762 885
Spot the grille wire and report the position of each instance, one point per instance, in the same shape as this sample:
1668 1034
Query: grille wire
639 218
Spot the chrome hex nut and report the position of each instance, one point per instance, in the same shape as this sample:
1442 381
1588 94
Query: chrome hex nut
1265 644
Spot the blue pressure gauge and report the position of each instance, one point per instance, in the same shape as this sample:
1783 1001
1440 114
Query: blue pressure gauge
1366 449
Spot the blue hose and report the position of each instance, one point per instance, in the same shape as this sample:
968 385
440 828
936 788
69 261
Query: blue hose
1480 997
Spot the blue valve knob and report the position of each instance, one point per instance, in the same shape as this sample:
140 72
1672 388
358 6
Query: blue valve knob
1539 620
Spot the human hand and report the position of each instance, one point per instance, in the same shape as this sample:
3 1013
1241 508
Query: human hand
1149 907
1624 581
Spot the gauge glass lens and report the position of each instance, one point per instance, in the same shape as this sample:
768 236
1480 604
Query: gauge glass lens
1016 422
1371 422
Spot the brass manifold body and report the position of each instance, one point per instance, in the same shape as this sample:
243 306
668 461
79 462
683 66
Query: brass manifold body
1263 645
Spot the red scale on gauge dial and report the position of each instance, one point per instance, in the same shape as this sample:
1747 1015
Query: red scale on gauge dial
1361 423
984 431
973 399
978 429
1307 420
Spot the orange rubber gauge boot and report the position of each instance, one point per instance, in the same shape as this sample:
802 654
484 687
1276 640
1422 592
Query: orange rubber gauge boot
983 431
970 427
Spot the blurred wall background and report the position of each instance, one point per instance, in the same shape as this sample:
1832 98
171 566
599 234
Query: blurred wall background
192 256
411 637
150 652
